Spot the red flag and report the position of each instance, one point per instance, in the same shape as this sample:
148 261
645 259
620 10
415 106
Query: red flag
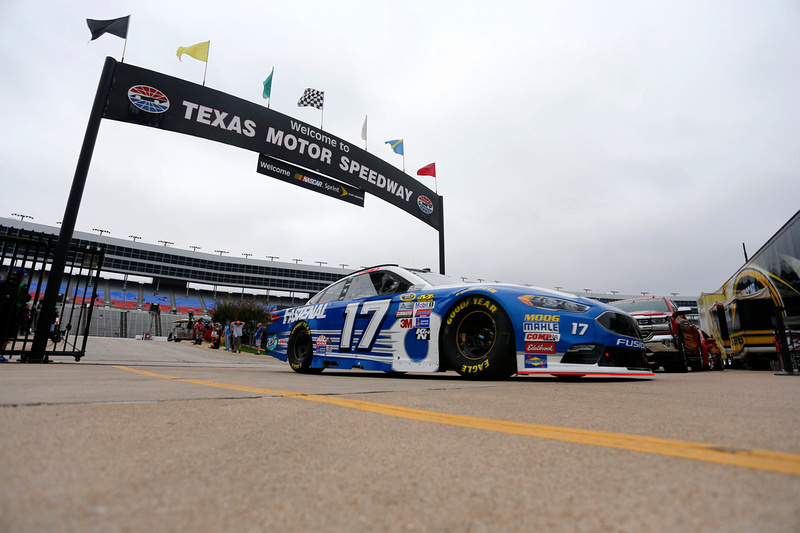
427 170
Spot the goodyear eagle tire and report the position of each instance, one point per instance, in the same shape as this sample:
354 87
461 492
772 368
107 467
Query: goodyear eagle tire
300 351
477 339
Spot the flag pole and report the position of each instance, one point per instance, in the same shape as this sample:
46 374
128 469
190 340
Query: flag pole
206 69
322 111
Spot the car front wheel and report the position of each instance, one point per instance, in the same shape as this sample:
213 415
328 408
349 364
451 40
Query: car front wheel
477 339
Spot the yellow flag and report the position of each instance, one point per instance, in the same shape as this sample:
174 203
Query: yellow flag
198 51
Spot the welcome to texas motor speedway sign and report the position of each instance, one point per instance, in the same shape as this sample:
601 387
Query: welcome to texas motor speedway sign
149 98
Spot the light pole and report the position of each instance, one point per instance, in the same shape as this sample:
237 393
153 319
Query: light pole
101 231
222 252
320 263
166 243
134 237
645 293
194 248
296 261
587 292
343 265
21 217
272 257
246 255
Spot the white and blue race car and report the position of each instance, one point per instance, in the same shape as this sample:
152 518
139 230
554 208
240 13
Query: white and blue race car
397 319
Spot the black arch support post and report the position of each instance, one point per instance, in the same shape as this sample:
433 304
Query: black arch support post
48 313
441 235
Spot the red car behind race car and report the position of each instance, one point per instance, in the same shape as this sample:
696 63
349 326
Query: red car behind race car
671 340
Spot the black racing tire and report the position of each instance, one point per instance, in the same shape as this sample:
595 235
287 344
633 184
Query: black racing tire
477 339
300 350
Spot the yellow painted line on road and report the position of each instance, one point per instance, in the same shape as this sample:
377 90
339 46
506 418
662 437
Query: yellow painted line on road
786 463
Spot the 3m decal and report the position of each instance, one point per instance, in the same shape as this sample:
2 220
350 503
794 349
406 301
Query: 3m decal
377 308
407 323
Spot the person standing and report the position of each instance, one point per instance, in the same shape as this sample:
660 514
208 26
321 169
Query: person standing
226 332
259 335
199 329
14 297
237 335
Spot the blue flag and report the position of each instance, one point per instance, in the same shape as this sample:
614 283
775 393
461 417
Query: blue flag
396 145
268 85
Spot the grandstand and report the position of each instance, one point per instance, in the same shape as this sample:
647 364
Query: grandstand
178 282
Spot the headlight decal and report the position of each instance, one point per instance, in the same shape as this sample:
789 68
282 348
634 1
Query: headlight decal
553 304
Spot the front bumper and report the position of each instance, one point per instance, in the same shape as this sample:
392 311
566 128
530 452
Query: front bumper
661 344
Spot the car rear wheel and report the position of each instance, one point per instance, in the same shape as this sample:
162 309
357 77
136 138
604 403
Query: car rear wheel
300 351
477 339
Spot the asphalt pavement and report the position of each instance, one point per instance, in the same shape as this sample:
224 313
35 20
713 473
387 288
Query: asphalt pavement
157 436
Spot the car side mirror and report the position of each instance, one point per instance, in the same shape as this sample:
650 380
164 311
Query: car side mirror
684 310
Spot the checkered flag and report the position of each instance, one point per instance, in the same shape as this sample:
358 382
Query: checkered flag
311 98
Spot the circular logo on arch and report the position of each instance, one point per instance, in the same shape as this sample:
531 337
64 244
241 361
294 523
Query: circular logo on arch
148 99
425 204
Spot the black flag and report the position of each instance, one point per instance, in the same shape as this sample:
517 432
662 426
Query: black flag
118 27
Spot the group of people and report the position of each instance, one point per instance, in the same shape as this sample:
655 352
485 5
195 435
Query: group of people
15 312
231 332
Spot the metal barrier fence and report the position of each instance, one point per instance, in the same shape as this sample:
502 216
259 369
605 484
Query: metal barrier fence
24 261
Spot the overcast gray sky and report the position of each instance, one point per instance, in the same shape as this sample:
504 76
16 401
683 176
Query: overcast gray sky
618 145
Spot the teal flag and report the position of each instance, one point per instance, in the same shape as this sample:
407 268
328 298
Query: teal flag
396 145
268 84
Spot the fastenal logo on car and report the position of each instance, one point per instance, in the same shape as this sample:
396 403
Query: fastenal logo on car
148 99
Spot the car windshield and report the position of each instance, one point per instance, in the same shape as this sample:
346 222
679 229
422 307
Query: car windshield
650 304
